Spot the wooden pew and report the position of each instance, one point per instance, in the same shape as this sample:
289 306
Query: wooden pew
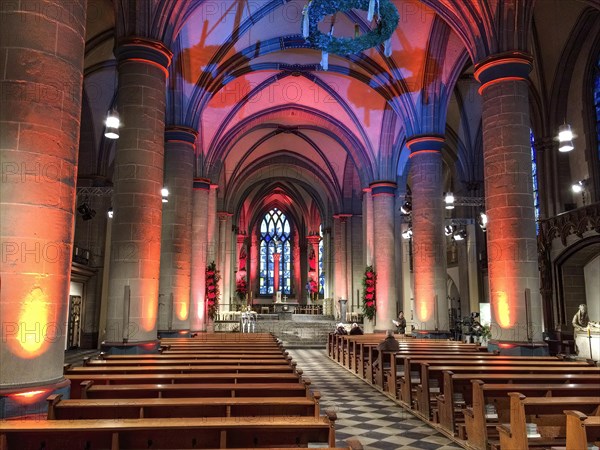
399 386
171 356
433 372
266 389
115 408
167 433
202 368
582 430
547 414
476 423
176 378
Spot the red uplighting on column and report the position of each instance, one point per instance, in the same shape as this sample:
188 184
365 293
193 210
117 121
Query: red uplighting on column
182 311
32 322
503 310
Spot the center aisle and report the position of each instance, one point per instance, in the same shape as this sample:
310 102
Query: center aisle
363 412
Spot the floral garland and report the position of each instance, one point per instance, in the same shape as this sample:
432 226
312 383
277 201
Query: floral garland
316 10
369 293
212 290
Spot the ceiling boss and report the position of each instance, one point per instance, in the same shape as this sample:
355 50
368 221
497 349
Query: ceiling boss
382 12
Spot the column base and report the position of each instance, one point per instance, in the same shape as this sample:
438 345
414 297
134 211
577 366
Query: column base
130 348
174 334
30 402
519 348
432 334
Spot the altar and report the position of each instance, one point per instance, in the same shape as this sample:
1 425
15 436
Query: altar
587 344
285 307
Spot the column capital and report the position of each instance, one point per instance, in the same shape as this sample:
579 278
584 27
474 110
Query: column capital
342 217
503 67
214 186
313 239
202 183
383 188
180 134
144 50
425 144
367 190
224 215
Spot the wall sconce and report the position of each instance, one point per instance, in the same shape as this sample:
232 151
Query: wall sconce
565 138
483 221
408 233
110 213
579 188
449 200
449 230
112 124
164 192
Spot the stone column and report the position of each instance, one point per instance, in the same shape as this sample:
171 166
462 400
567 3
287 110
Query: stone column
384 258
368 226
511 236
240 264
340 258
224 259
138 180
212 230
199 253
253 275
41 72
429 241
327 262
176 238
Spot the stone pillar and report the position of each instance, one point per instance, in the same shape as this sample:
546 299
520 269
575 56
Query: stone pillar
241 259
368 226
276 261
42 46
253 276
212 231
176 239
428 240
199 253
340 258
138 180
224 259
384 258
327 263
511 236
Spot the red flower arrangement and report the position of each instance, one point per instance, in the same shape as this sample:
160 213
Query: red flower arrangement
369 306
212 290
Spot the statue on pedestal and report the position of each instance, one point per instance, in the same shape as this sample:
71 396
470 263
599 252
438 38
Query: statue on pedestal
581 320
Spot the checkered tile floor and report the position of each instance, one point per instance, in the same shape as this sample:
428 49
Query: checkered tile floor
363 412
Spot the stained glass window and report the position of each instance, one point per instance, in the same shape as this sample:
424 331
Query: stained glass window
275 238
321 271
534 176
597 103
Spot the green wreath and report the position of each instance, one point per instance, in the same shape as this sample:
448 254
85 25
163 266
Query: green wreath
316 10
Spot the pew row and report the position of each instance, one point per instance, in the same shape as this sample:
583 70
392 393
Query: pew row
168 433
582 431
478 423
546 413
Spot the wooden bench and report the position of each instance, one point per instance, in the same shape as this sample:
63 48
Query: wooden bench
399 385
167 433
478 424
102 391
582 430
547 414
176 378
435 373
179 362
202 368
132 408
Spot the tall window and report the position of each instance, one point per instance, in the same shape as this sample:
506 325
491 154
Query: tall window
597 103
275 238
534 176
321 254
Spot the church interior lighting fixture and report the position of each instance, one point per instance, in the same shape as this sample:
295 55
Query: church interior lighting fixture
459 235
164 192
565 138
86 212
449 200
406 208
110 213
483 221
112 124
408 233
